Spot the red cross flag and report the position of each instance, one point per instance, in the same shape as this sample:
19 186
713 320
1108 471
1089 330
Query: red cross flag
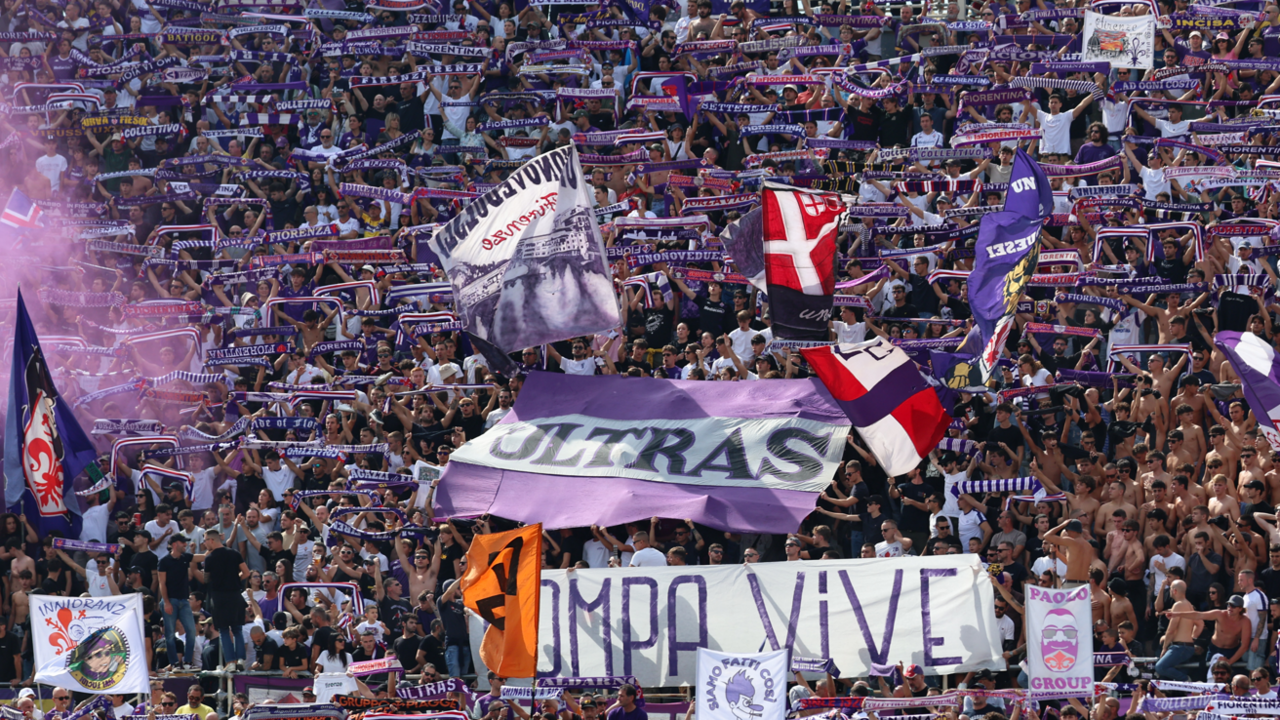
800 229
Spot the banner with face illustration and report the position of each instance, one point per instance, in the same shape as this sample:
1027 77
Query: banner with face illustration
1059 639
742 687
90 645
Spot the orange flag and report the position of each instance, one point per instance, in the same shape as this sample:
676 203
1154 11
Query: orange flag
502 583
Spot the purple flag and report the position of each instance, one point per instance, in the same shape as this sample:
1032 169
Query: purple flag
743 241
748 456
1258 368
1006 254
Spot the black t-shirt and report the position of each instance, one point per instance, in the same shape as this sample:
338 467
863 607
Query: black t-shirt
10 645
859 125
175 575
906 311
449 553
147 563
222 570
914 520
712 315
895 128
1010 436
292 657
393 612
267 648
433 651
406 650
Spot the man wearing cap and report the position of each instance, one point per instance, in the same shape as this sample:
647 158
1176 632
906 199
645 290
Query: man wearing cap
174 572
1069 536
1231 629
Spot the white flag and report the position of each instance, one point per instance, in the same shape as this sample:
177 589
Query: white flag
1125 42
1060 639
327 685
90 645
742 687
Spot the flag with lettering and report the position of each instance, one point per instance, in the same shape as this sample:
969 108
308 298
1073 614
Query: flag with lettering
502 586
800 229
1006 255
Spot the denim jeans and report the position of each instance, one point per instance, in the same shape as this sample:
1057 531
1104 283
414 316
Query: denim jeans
232 643
1255 660
1167 665
181 611
458 658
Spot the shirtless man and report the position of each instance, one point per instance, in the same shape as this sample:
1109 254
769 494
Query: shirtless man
21 603
1185 496
1223 452
1250 469
424 569
1115 501
1158 378
1177 645
1181 451
1222 503
1159 501
1174 308
1155 471
1190 397
1153 408
1200 523
1125 552
1230 628
1081 501
1070 537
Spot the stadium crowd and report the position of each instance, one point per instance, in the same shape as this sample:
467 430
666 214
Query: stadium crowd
230 157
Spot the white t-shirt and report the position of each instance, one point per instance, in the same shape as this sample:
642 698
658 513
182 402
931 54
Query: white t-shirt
950 503
1156 577
158 532
98 584
52 168
594 552
741 341
1056 131
278 480
886 549
1045 564
578 367
1154 182
970 523
332 663
122 711
202 489
95 520
849 332
648 557
1173 130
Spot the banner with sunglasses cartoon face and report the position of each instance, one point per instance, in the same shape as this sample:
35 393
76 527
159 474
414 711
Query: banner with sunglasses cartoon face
1059 639
90 645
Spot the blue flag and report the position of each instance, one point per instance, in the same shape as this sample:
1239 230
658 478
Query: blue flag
44 446
1006 254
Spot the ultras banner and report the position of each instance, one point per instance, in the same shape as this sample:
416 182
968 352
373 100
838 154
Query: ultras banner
90 645
649 622
748 457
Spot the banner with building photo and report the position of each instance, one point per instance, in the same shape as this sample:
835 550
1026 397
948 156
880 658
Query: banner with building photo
90 645
1123 41
527 262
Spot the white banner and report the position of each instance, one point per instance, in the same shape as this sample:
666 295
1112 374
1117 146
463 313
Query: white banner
723 451
90 645
1059 639
1125 42
935 612
327 685
526 259
742 687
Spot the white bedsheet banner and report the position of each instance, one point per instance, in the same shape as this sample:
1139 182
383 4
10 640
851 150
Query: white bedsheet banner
935 612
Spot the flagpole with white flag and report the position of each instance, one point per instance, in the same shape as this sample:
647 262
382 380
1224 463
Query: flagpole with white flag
90 645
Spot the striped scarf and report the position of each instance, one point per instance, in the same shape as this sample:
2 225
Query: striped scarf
1080 86
1020 484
